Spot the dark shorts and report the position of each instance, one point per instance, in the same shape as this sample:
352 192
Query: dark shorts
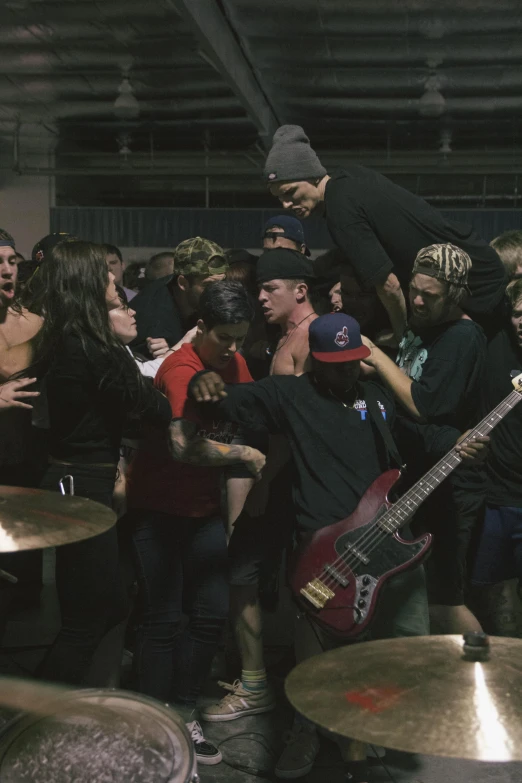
499 554
259 542
258 440
452 515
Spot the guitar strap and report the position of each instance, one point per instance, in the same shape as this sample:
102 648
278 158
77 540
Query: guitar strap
381 425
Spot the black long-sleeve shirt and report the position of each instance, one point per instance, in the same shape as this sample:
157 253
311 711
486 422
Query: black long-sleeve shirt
381 227
90 398
336 450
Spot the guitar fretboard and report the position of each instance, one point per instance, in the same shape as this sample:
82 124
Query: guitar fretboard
407 505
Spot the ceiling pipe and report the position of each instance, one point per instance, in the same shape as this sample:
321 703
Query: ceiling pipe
81 109
345 81
428 25
279 53
454 106
27 88
115 9
336 84
241 173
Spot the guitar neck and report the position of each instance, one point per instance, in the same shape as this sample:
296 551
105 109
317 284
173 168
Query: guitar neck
407 505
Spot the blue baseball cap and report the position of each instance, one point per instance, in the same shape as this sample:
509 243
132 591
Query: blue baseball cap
336 338
292 229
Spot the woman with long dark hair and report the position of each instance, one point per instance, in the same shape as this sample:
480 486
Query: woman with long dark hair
92 387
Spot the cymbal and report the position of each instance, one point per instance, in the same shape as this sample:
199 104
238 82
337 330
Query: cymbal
417 694
37 518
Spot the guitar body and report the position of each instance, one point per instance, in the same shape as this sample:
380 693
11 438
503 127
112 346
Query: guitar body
370 557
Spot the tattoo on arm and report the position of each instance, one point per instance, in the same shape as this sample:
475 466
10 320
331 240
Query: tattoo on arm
187 446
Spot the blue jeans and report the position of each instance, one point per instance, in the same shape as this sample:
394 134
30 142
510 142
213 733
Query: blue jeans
499 554
182 565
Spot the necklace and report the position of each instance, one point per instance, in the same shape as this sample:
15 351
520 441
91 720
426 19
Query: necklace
287 337
338 399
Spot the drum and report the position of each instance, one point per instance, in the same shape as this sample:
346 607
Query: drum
99 736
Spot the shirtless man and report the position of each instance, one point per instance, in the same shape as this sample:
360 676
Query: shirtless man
17 325
17 453
282 276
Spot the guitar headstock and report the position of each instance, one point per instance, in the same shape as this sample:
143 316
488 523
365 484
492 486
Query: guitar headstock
517 383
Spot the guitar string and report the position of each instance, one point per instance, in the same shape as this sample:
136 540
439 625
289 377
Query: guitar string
439 468
369 538
346 559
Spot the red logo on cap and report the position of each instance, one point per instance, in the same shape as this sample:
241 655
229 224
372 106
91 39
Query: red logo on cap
341 338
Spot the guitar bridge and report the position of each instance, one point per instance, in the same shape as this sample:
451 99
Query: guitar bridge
317 593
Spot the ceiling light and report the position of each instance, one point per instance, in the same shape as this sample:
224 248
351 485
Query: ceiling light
126 106
433 102
445 142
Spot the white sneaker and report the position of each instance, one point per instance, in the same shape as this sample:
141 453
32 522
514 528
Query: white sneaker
238 703
206 752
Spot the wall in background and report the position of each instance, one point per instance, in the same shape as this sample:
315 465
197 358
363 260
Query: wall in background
151 228
25 204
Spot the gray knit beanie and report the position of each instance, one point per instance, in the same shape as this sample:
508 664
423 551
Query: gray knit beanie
291 158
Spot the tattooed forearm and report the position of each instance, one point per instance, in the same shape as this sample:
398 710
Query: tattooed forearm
187 446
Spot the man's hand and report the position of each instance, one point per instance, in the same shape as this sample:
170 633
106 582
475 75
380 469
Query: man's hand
255 462
475 450
157 346
11 394
368 343
208 387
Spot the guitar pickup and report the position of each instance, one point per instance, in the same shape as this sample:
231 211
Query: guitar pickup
317 593
357 552
342 580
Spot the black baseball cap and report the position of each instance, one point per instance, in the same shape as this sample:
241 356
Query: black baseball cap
44 246
281 263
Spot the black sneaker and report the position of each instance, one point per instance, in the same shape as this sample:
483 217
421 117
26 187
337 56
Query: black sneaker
206 752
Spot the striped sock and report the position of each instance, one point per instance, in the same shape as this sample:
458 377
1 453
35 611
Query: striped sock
254 680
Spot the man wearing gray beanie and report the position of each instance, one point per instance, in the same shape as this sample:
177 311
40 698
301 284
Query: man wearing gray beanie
379 226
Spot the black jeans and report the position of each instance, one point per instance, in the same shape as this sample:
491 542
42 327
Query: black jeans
90 589
182 568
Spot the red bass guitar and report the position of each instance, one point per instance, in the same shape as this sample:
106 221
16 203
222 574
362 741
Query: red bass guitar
338 573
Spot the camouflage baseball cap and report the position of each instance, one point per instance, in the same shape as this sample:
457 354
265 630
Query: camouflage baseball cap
199 256
445 262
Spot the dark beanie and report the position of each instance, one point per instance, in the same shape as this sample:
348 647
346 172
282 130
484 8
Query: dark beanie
283 264
6 240
291 158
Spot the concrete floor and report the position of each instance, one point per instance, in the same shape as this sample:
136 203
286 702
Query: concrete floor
254 745
251 746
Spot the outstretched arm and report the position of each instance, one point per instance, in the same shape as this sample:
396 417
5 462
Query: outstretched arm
391 295
187 446
393 377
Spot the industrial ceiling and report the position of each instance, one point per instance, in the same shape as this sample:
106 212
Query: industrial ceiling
427 92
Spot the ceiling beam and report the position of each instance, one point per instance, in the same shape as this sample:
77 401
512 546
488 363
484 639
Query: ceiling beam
223 51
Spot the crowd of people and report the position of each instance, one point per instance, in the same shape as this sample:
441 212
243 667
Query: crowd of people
228 405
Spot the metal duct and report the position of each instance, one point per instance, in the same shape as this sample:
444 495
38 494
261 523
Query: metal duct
315 51
79 109
350 81
461 106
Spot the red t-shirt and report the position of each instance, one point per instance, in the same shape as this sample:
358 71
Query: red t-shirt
158 482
